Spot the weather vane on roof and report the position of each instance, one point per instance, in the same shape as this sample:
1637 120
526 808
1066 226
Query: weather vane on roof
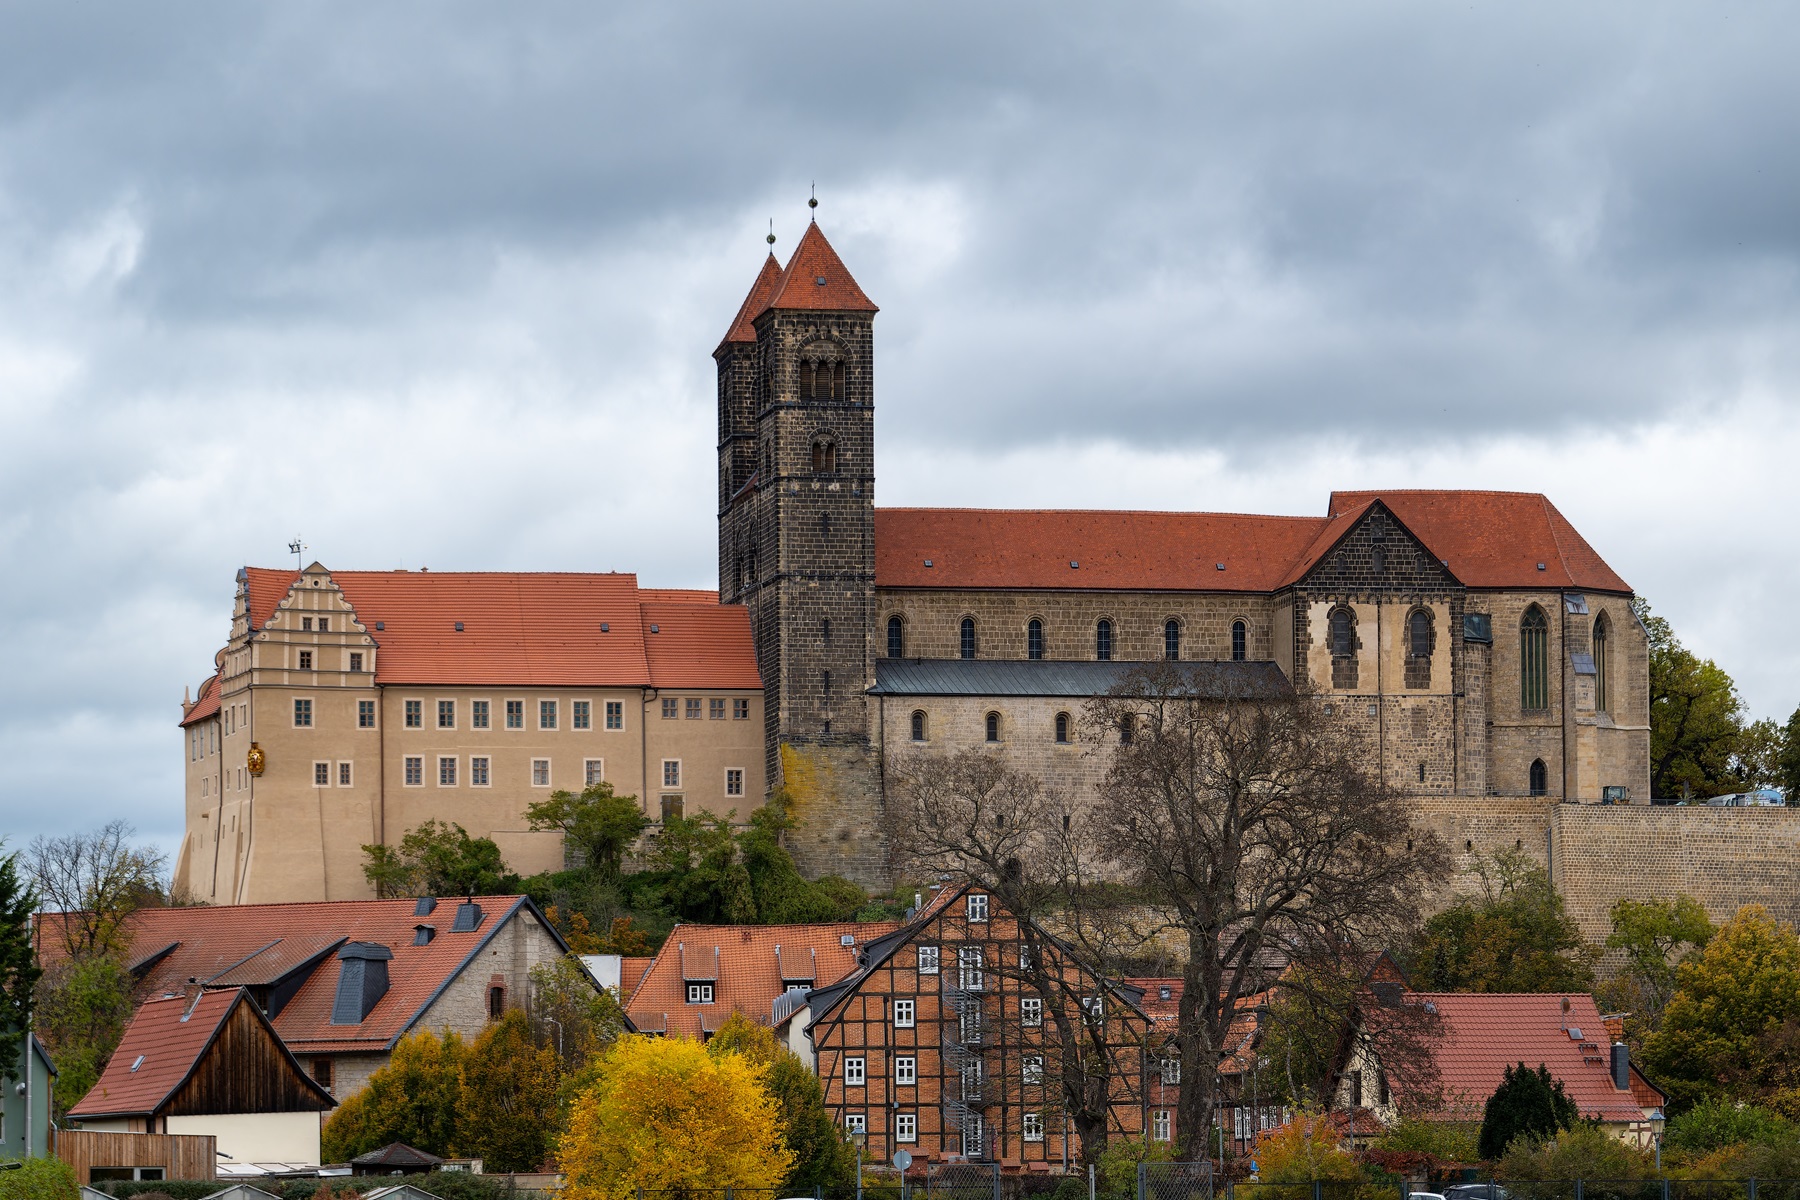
812 202
297 548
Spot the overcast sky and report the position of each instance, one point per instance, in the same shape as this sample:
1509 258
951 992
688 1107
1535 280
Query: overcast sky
437 285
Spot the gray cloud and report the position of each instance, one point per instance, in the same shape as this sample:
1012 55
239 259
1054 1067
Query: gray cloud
438 283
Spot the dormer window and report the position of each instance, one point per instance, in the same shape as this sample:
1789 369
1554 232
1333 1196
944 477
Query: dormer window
699 993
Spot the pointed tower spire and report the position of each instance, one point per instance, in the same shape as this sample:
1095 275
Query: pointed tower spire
816 280
742 327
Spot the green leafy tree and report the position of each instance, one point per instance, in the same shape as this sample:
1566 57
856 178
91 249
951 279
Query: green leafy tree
40 1179
1788 760
1715 1124
704 876
1440 1141
19 971
824 1156
82 1008
413 1099
782 895
438 858
1527 1104
1696 718
506 1111
1730 1028
1515 937
599 825
1581 1151
572 1013
1118 1165
1655 936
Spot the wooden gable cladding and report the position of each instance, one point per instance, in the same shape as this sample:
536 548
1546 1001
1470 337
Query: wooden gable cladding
246 1069
930 1046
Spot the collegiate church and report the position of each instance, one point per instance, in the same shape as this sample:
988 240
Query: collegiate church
1484 652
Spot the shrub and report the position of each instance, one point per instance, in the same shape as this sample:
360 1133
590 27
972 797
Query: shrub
1119 1162
40 1179
1584 1152
1714 1124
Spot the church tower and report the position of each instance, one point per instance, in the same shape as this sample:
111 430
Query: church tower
797 540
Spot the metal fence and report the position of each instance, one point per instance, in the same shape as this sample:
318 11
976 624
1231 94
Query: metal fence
962 1181
1544 1189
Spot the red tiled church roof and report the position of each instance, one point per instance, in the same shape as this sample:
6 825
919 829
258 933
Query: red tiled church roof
743 326
543 629
816 280
206 704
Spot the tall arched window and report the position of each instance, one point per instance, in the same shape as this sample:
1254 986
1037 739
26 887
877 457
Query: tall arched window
1540 778
1127 729
1534 661
1342 631
1240 641
1062 727
1602 654
824 456
1034 639
1171 638
966 638
896 638
1103 641
993 727
1418 649
918 725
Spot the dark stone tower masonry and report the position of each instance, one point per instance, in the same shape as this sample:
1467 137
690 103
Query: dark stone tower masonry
797 542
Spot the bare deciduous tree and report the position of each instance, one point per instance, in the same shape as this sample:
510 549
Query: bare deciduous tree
1254 829
96 880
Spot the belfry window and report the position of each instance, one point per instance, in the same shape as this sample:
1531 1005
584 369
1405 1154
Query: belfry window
1602 651
966 647
824 457
822 381
1534 661
896 646
1103 641
1540 778
1171 639
1240 641
1034 639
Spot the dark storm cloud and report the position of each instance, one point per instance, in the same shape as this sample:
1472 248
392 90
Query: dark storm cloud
437 283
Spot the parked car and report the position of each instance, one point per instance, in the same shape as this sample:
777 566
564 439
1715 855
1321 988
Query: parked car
1760 798
1475 1191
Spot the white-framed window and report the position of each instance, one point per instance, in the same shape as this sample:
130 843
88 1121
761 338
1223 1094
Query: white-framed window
365 714
546 714
540 772
414 714
734 781
903 1014
321 774
1094 1007
306 660
671 709
1032 1128
671 772
906 1070
480 714
928 960
302 713
978 907
693 708
515 714
700 993
446 714
906 1127
581 714
1171 1070
1159 1125
715 709
615 714
971 1081
969 1027
447 770
968 968
740 710
1240 1124
345 774
594 770
1031 1011
1024 958
306 624
855 1123
854 1074
415 770
1031 1068
973 1139
480 772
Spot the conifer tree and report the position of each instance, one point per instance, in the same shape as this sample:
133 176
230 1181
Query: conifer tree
1527 1102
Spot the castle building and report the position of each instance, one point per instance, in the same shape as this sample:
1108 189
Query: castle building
1474 640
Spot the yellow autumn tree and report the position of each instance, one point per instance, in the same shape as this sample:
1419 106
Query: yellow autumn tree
665 1114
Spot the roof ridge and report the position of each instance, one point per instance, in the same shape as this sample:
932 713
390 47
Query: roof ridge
1123 512
1437 491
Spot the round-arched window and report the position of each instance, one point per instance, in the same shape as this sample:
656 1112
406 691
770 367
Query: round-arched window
966 638
1418 634
918 725
993 727
1343 634
1062 727
1240 641
1103 639
1034 639
896 638
1171 639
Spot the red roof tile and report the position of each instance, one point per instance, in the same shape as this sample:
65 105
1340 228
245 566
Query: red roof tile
746 964
743 326
1482 1035
522 628
1496 539
259 944
816 280
206 704
631 973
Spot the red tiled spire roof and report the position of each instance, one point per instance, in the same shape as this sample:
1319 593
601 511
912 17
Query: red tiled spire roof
816 280
743 326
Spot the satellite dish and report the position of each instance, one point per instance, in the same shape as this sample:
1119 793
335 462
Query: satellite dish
902 1159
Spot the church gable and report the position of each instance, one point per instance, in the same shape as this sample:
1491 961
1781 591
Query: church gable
1378 555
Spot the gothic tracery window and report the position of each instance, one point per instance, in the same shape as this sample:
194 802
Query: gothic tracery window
1534 661
1602 657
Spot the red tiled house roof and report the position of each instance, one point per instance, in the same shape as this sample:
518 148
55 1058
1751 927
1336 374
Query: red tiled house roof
286 955
175 1040
749 966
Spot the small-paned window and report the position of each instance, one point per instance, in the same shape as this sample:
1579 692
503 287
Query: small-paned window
446 714
446 772
906 1127
615 714
699 993
1031 1129
343 774
1171 639
478 772
918 725
903 1014
966 635
1534 661
324 624
1171 1071
734 781
303 714
896 638
692 708
479 714
515 714
306 660
321 1072
1540 778
415 714
365 714
928 960
1031 1012
1159 1125
969 1026
546 714
1034 639
322 774
540 772
671 772
1031 1069
1240 641
977 907
740 710
671 709
355 665
906 1070
993 727
1062 728
715 709
581 714
854 1075
306 624
1103 641
855 1123
594 770
969 968
415 770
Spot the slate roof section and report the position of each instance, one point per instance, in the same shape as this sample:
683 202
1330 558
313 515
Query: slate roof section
746 965
525 629
1480 1035
743 326
816 280
1075 680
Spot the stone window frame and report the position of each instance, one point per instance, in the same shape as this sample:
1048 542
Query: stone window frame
920 725
1534 660
1172 625
993 727
730 782
412 712
322 773
1418 666
1239 631
536 775
481 771
412 770
896 636
1600 646
825 458
1538 778
968 641
593 771
481 713
1106 638
1065 729
1034 632
446 707
303 712
551 709
448 767
822 352
346 772
1331 640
